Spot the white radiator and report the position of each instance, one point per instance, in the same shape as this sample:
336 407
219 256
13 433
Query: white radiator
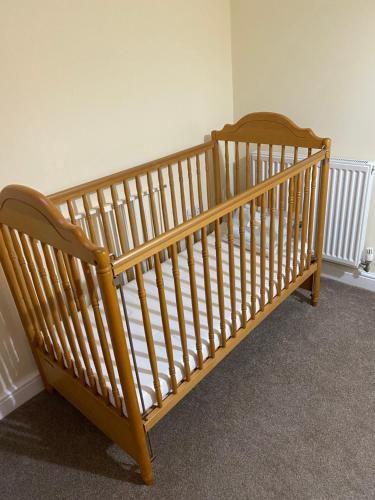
348 203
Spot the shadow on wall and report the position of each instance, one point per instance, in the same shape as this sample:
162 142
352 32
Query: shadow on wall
16 360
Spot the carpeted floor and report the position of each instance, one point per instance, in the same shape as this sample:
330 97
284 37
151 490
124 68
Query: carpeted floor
288 415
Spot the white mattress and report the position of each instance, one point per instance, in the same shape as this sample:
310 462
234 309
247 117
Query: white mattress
135 316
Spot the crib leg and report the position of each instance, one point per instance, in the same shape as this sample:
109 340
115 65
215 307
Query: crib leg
315 288
146 472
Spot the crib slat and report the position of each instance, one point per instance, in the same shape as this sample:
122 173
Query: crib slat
119 221
194 300
306 196
191 188
248 167
311 216
253 254
296 225
183 198
101 332
71 211
90 222
142 213
182 192
27 290
180 311
120 226
271 198
163 200
237 167
173 193
106 228
199 182
232 279
227 172
49 295
280 244
148 333
206 269
207 169
73 220
208 292
154 214
56 351
165 322
295 158
220 284
289 231
263 252
132 221
259 165
85 318
243 267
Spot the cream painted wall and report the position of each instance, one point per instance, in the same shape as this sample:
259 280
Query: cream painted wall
89 87
313 61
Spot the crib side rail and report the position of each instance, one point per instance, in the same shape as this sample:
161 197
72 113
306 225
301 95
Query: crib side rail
164 241
269 249
125 210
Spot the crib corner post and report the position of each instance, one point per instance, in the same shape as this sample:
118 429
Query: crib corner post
323 191
117 335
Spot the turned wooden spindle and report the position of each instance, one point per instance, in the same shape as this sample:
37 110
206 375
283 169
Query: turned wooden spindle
296 225
220 283
180 311
253 256
311 216
148 333
243 267
289 231
280 244
305 213
232 278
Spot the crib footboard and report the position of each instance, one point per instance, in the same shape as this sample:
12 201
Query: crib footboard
212 295
62 285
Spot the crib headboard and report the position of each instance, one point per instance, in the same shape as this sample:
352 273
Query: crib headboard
240 149
30 212
269 128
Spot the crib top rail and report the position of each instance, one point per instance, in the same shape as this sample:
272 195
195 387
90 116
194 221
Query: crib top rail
31 213
269 128
103 182
189 227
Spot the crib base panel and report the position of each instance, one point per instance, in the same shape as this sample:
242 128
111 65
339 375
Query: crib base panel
115 427
185 387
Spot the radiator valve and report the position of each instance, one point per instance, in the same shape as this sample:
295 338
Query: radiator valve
369 257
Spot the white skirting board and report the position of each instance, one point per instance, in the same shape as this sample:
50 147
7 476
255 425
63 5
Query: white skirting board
353 277
19 393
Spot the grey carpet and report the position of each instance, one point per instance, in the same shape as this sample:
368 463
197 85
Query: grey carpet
289 414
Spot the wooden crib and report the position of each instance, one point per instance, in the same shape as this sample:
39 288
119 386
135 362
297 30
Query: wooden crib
133 287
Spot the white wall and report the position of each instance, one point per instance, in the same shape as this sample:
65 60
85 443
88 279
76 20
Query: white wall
89 87
313 61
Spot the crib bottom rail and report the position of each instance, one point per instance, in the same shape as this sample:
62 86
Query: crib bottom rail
108 419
